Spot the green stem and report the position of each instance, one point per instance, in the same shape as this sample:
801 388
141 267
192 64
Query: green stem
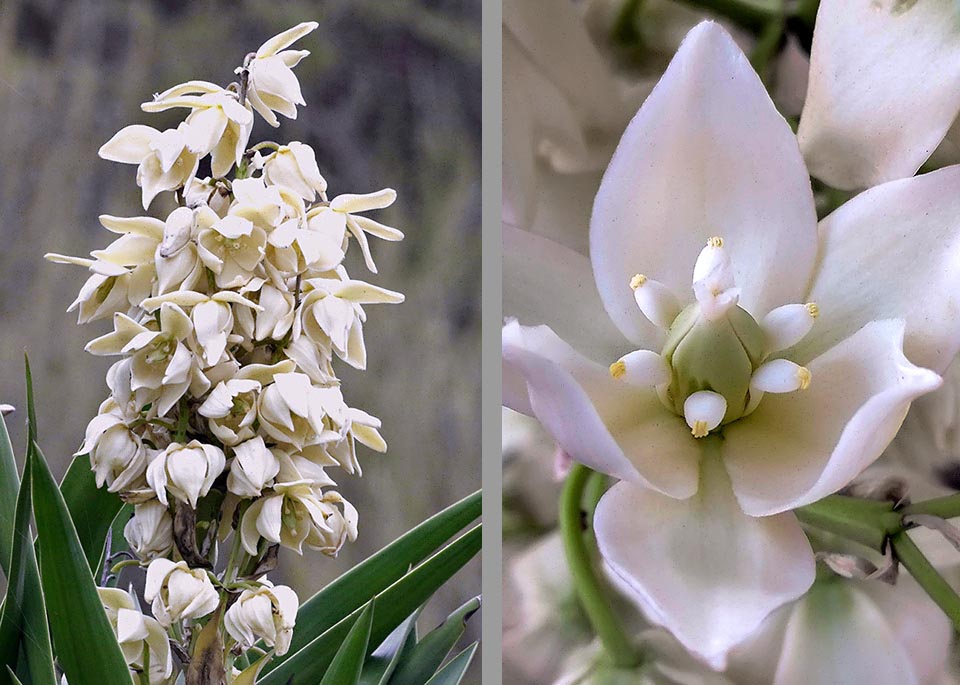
869 522
236 559
588 584
927 576
145 673
624 31
183 421
946 507
751 14
766 46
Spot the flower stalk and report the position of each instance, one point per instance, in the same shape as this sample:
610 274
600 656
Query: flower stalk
590 588
907 552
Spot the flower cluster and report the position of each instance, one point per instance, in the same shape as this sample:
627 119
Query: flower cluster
225 410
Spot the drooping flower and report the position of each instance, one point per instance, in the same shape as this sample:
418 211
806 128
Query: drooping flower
273 85
268 613
178 592
185 471
735 400
149 532
138 634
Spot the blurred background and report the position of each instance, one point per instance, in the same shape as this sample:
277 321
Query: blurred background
393 99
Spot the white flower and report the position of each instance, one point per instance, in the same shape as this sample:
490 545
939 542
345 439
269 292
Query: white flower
165 161
344 212
273 87
232 248
135 631
882 92
268 613
149 532
331 314
294 165
178 592
719 160
292 410
185 471
117 455
850 631
218 125
253 468
258 202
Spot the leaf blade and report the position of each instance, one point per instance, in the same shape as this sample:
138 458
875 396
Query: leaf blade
92 509
429 653
380 665
348 661
453 672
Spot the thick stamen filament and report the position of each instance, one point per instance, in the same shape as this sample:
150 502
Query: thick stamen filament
787 325
703 411
779 376
642 367
656 301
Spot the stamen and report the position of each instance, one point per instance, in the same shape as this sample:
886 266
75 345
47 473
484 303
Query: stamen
641 367
785 326
655 300
779 376
703 411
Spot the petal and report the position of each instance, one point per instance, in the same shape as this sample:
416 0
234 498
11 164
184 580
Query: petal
798 447
891 252
701 567
547 283
130 145
884 89
286 39
352 204
708 154
837 635
610 426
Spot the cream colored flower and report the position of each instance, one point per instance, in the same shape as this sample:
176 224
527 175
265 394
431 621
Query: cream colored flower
117 455
268 613
292 410
255 201
150 531
218 125
344 214
185 471
165 161
253 468
272 84
294 166
331 314
135 631
177 592
232 248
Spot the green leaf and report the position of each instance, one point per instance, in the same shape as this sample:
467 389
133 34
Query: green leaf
453 672
92 509
348 662
426 657
23 621
355 588
249 675
380 665
13 677
8 497
85 644
395 604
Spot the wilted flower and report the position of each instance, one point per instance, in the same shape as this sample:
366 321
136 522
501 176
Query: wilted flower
178 592
268 613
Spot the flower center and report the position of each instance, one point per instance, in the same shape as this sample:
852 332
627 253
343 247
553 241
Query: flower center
714 368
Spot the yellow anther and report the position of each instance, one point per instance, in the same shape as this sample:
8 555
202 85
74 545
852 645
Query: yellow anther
699 429
715 241
813 309
637 281
618 369
803 375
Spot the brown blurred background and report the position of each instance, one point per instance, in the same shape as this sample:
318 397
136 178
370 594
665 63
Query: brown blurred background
393 95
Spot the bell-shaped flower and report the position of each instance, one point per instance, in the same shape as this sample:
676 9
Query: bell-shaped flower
343 213
273 87
267 613
232 248
178 592
165 161
258 202
253 468
138 634
850 631
316 241
149 532
331 314
185 471
294 166
878 103
291 410
218 125
231 407
785 370
117 455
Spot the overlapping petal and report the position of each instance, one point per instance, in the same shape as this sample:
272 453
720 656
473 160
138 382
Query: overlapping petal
893 252
701 567
798 447
884 88
707 154
612 427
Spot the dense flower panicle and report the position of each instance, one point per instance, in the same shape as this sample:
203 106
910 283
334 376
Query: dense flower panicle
228 314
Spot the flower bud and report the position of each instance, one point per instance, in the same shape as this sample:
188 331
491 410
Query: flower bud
150 531
254 468
178 592
267 613
177 231
185 471
117 455
341 525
